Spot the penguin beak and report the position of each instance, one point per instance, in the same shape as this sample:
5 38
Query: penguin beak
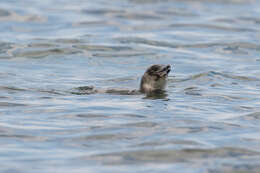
165 71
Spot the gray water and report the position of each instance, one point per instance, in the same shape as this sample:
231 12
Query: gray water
208 121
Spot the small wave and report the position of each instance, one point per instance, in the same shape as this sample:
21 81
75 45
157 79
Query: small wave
212 27
88 116
102 48
6 15
90 23
68 41
195 91
144 124
125 14
168 142
4 47
85 116
112 50
170 156
11 88
40 48
198 84
250 19
101 11
140 40
251 116
44 53
8 104
208 1
236 47
139 16
122 54
16 89
23 137
215 75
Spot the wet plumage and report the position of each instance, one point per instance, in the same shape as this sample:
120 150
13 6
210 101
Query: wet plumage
155 78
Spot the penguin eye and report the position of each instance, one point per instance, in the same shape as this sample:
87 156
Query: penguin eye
155 68
152 72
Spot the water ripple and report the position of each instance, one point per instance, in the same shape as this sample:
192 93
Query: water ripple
234 45
213 27
8 104
70 71
170 156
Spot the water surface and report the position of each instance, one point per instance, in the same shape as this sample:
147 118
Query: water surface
208 120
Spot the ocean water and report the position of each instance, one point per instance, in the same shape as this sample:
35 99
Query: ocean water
53 51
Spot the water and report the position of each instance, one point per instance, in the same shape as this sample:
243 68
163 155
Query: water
208 121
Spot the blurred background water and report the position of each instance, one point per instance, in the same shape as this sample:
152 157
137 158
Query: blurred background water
209 121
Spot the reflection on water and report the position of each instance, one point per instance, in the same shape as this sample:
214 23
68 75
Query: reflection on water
70 73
